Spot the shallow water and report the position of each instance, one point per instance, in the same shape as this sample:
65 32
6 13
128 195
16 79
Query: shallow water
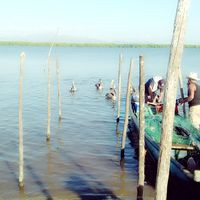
81 161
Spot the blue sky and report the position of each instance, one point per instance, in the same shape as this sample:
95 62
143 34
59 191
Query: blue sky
140 21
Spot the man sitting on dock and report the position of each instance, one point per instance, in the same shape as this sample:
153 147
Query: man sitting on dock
193 99
152 86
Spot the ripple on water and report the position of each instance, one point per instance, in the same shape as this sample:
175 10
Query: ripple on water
81 160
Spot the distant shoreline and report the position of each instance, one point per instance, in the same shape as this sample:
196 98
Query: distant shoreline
111 45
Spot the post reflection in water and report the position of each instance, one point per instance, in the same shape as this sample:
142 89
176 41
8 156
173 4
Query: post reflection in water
21 194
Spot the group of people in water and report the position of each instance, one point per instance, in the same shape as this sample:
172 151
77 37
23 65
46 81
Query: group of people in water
99 86
112 91
154 92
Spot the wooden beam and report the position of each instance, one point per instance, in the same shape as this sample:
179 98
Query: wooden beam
176 51
140 187
182 147
119 86
126 110
21 145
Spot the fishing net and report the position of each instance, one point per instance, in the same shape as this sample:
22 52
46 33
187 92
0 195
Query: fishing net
183 132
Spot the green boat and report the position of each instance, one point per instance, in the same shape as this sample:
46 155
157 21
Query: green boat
184 179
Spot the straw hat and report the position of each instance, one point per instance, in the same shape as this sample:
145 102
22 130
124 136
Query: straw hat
193 76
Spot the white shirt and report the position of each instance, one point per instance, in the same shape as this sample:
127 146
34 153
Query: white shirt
156 79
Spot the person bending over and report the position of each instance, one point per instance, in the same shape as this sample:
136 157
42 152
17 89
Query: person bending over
152 87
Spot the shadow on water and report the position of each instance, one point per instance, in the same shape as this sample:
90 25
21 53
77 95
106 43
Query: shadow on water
87 191
38 181
21 193
84 184
12 171
88 188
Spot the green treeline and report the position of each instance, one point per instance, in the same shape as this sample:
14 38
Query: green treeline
112 45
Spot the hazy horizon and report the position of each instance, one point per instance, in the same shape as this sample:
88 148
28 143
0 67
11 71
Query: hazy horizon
56 38
95 21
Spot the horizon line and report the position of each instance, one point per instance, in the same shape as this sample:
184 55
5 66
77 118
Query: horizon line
92 44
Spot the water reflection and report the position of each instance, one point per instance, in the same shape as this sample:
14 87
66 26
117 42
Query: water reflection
73 93
22 194
117 130
84 145
122 178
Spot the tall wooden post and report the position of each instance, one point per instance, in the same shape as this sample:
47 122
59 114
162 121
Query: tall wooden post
49 90
170 96
181 89
141 131
119 86
126 110
21 148
49 102
58 85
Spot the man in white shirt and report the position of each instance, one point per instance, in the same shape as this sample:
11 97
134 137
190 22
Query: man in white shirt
152 86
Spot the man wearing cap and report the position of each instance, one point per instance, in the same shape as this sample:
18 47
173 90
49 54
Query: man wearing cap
152 86
193 99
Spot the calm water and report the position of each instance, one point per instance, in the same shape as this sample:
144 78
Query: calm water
81 161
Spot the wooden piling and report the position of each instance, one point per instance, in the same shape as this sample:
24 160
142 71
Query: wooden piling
58 86
126 110
140 187
181 89
170 97
49 90
119 86
49 102
21 147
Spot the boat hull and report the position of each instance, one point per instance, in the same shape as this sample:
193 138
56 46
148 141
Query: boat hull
180 185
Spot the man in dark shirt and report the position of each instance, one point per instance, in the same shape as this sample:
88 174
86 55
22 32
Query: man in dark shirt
193 99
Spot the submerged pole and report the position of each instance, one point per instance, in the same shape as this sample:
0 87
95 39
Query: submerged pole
119 86
21 147
140 187
126 110
181 89
176 51
58 85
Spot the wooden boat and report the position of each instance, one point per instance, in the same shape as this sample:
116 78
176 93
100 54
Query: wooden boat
184 179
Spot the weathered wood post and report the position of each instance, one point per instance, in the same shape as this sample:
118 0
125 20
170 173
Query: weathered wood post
49 101
141 131
58 86
126 110
170 97
49 90
181 89
119 86
21 147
